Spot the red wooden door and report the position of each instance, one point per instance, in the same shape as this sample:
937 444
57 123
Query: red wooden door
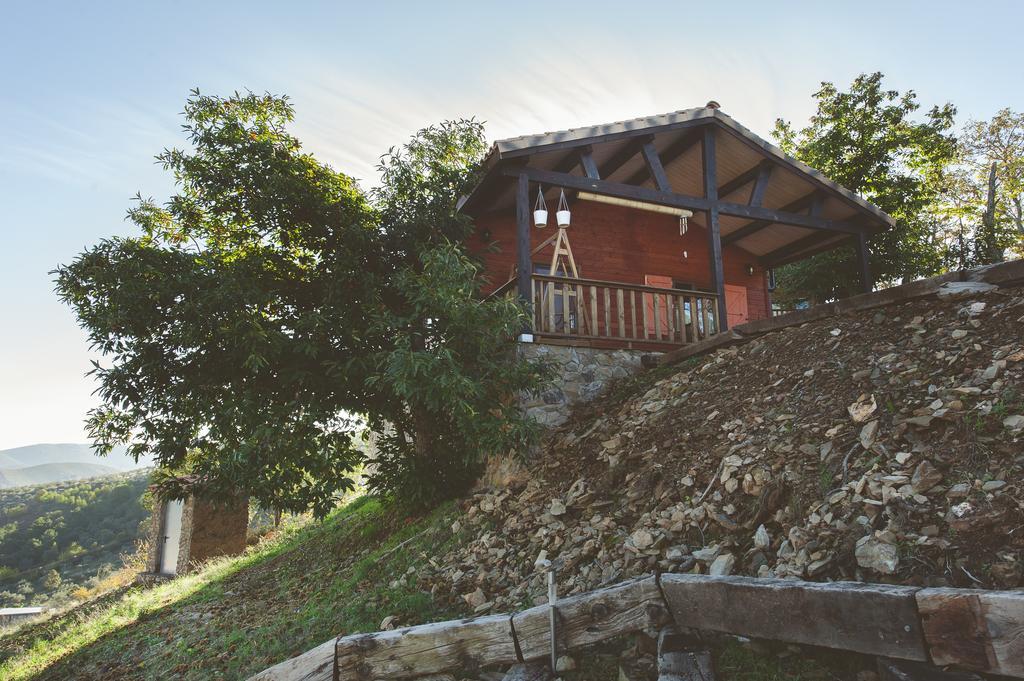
736 304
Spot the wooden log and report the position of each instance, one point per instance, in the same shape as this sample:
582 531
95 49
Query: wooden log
974 629
529 672
593 617
426 649
313 665
874 619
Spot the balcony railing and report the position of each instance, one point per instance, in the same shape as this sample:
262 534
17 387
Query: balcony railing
589 310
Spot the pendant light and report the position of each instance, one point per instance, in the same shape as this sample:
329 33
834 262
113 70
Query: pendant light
563 214
540 210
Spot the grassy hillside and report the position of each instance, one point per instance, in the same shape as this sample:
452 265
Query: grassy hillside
57 538
240 615
47 473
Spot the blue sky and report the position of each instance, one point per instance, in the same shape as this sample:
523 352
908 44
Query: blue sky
92 91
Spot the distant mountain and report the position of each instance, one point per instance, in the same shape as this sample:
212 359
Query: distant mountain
65 453
47 473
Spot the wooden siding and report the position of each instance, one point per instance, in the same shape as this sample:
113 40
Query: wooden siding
614 243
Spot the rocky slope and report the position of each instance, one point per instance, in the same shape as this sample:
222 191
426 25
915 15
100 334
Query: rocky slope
884 445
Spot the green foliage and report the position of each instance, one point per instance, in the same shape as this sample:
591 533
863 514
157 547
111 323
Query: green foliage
447 369
270 309
64 533
866 140
970 238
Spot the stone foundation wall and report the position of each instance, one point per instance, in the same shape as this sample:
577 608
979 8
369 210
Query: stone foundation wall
581 375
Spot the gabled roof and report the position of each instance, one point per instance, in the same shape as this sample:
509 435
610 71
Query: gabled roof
614 149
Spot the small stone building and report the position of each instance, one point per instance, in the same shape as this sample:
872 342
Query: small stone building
188 531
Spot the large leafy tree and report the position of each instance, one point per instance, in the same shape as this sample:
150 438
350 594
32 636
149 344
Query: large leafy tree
270 309
984 192
869 140
446 367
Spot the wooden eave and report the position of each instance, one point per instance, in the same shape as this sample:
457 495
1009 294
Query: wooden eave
758 182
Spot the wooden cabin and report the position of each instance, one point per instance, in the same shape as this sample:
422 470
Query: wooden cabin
676 222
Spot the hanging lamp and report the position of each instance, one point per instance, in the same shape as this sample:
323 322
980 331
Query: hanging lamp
540 210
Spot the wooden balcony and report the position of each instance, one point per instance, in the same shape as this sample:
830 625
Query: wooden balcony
613 314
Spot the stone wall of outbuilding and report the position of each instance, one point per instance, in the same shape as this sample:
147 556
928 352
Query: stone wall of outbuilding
581 375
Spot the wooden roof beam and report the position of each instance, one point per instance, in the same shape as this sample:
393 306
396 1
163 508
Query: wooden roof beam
744 178
746 230
624 155
696 203
670 154
654 167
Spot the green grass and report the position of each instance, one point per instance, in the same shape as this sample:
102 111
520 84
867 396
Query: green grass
237 616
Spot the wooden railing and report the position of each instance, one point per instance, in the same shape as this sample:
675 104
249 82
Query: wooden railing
973 629
594 310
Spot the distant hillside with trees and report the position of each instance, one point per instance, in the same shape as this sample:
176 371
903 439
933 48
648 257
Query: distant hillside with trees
57 538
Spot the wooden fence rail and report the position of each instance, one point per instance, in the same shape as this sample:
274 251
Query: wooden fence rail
973 629
590 309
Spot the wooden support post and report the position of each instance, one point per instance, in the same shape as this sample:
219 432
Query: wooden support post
863 256
714 230
680 661
525 264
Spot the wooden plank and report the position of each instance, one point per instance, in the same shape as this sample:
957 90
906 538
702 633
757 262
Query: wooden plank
643 309
581 311
694 326
654 167
621 313
705 318
607 312
593 617
670 315
656 299
426 649
313 665
974 629
594 329
632 310
874 619
566 325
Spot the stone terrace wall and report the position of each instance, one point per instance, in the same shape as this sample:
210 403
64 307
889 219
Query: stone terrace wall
581 375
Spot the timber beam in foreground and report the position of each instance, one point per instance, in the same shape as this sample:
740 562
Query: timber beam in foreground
968 628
